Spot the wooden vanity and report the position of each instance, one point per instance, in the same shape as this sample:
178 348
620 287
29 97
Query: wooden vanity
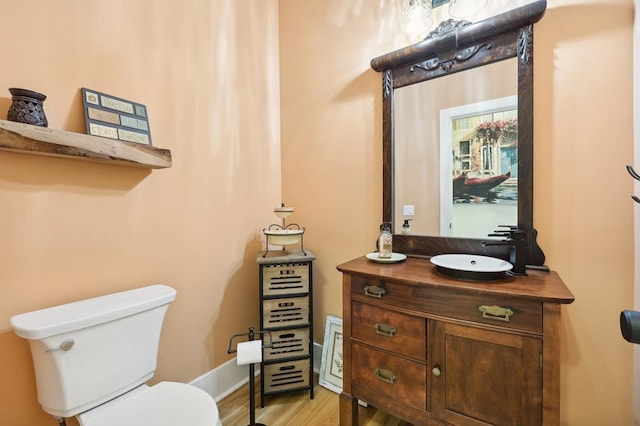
432 350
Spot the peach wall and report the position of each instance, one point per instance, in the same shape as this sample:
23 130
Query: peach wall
331 147
331 137
636 152
208 74
585 125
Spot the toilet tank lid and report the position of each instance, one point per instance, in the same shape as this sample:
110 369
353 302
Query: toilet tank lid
89 312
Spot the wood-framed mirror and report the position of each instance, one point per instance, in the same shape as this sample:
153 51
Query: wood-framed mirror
472 157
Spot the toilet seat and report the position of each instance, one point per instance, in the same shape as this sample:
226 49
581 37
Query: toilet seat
163 404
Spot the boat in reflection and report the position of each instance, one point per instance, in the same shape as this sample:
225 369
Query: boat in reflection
464 185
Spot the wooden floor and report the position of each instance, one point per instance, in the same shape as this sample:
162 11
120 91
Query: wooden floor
295 408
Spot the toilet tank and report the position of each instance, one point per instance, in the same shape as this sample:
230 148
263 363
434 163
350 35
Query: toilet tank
88 352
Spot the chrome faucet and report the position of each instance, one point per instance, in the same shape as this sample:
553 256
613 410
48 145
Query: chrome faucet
516 239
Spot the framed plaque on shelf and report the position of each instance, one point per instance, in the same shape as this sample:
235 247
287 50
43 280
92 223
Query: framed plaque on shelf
115 118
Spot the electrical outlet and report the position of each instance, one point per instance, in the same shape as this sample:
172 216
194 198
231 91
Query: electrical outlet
407 210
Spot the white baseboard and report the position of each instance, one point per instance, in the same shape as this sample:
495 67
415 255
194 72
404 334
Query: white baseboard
228 377
223 380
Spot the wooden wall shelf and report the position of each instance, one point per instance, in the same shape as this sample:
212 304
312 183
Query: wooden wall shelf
28 139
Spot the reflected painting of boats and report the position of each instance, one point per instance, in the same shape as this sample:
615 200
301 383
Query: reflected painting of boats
476 186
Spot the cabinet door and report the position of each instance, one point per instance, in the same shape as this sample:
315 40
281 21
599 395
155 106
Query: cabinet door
480 376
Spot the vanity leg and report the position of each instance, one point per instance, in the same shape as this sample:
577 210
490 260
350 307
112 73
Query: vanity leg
348 410
551 365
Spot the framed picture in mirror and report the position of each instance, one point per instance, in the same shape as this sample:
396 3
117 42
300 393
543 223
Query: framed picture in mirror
479 168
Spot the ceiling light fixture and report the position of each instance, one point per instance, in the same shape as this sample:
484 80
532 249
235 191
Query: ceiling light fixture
417 17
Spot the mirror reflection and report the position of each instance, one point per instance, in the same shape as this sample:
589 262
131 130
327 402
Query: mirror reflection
456 153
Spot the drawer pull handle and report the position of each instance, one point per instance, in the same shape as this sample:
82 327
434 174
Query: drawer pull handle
436 371
496 313
374 291
385 375
385 329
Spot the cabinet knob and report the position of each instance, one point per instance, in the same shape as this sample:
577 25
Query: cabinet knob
436 371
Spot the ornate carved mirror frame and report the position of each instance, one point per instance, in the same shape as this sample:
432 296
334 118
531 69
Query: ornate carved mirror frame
453 47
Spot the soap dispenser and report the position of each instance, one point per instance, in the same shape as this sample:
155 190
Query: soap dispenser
385 241
406 229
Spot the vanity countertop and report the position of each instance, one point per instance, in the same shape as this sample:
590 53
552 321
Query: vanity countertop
537 285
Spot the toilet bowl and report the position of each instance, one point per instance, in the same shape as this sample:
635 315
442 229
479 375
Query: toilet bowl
163 404
92 359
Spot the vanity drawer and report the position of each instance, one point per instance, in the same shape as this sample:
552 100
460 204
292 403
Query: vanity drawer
393 331
517 314
521 314
391 376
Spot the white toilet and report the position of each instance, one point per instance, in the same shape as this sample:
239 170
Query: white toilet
93 357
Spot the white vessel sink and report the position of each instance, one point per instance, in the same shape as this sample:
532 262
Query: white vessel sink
471 266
